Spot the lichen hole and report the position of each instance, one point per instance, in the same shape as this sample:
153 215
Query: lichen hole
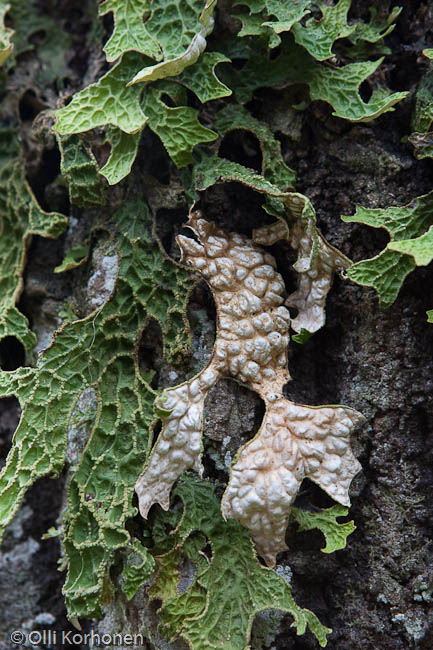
10 413
234 208
155 430
168 224
12 353
150 352
201 314
243 147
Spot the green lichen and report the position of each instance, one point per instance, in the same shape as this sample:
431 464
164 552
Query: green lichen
130 33
318 36
37 32
174 35
218 608
202 80
6 46
197 43
326 521
124 108
257 23
422 117
406 226
74 257
274 169
139 568
86 398
337 86
97 352
108 101
80 172
367 39
20 218
213 169
178 126
123 150
420 248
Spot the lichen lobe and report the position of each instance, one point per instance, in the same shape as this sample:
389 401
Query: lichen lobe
294 441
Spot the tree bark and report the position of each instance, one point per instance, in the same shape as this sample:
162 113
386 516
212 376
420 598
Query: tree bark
377 592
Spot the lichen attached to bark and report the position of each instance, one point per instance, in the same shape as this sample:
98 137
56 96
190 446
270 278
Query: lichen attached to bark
294 441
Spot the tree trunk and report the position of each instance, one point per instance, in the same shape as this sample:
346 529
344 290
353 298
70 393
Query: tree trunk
376 593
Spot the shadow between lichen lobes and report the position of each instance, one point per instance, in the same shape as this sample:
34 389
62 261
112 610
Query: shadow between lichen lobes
99 352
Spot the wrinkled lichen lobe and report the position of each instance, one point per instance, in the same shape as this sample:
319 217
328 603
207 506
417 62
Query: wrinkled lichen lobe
253 326
294 441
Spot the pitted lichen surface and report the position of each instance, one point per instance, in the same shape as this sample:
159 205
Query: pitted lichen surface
317 260
409 227
294 441
97 352
206 84
20 218
157 40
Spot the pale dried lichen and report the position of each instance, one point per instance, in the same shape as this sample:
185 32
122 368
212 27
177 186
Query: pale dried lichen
316 264
294 441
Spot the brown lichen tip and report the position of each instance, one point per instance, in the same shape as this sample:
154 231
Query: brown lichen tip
294 441
316 264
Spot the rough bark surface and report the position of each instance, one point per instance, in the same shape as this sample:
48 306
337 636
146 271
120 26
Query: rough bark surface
378 592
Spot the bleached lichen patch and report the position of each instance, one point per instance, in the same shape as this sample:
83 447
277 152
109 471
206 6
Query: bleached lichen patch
45 325
294 441
80 424
101 283
316 264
